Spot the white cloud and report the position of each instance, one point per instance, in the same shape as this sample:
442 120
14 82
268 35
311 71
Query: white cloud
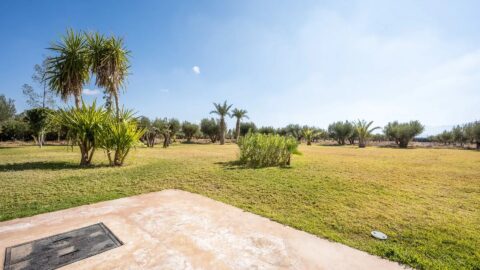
91 92
196 69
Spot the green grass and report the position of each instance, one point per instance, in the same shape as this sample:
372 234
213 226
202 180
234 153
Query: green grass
426 200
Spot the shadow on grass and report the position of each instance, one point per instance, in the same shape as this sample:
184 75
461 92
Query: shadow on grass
237 165
53 166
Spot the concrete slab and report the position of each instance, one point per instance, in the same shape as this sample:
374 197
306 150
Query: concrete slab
174 229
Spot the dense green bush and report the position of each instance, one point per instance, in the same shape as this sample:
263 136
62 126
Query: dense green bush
260 150
14 129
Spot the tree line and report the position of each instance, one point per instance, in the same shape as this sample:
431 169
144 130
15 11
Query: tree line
33 124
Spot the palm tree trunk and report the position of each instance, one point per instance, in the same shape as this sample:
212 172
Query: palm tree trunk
237 129
222 131
77 101
117 107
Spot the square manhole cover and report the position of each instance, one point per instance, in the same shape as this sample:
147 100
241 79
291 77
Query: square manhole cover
61 249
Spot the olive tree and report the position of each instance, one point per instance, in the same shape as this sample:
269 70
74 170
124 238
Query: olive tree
246 127
403 133
340 131
210 128
189 129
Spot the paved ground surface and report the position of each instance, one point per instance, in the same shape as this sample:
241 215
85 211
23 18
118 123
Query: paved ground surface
174 229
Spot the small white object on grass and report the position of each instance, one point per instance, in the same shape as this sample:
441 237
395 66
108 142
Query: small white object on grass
379 235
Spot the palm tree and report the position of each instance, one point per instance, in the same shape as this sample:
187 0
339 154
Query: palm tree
109 62
239 114
68 70
364 131
308 134
222 111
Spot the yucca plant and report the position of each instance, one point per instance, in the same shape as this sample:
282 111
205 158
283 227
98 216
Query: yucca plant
84 125
68 70
364 132
109 61
118 135
260 150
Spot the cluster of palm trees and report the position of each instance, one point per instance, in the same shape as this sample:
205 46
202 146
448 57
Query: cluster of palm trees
78 56
223 110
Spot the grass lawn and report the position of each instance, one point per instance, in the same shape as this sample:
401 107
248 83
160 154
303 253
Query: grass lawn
426 200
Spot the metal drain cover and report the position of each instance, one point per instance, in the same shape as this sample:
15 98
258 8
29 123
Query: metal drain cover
61 249
379 235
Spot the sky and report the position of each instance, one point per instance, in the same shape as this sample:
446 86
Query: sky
305 62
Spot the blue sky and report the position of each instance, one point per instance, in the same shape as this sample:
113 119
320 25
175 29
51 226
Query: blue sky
306 62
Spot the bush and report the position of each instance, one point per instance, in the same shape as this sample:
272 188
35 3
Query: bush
260 150
13 129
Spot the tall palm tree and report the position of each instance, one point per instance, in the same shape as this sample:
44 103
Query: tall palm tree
239 114
364 131
67 71
222 110
109 61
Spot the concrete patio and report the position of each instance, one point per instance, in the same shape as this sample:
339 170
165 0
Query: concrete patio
174 229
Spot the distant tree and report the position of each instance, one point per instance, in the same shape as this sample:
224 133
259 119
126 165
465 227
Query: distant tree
210 128
403 133
446 137
222 110
266 130
239 114
174 127
472 132
189 129
151 131
354 137
458 135
341 131
293 130
246 127
38 120
7 108
45 98
163 127
364 132
68 70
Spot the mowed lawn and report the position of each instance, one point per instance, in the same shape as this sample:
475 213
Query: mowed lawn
426 200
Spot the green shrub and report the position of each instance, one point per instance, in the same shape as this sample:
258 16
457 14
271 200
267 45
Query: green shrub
119 135
84 127
261 150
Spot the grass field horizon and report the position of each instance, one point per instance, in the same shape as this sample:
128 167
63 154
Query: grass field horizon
426 200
